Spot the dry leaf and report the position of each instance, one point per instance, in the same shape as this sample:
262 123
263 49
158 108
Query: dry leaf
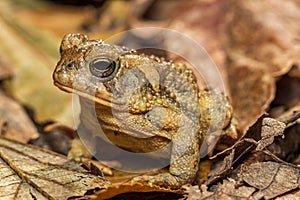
229 189
221 168
288 148
262 42
270 178
114 190
203 21
293 195
270 129
233 190
267 32
252 90
29 172
261 135
196 193
11 114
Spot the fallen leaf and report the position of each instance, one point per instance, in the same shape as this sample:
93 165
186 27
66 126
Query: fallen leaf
288 148
195 192
259 135
221 168
11 114
271 178
228 189
252 90
262 42
267 32
270 129
293 195
232 189
204 22
137 188
29 172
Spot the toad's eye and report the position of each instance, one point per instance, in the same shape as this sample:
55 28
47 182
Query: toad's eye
70 66
103 68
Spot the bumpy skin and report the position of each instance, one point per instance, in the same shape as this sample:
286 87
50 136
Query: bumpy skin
141 99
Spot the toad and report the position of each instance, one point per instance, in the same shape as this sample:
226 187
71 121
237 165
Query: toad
142 103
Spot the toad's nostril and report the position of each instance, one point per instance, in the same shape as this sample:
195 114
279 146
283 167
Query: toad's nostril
62 77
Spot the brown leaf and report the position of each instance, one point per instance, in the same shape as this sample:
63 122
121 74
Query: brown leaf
270 178
29 172
261 42
203 21
196 193
114 190
221 168
270 129
11 114
252 89
266 31
293 195
261 135
288 148
229 189
233 190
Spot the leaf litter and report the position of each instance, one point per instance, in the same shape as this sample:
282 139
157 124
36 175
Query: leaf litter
256 47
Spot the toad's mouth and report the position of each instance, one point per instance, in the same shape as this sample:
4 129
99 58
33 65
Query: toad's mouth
102 98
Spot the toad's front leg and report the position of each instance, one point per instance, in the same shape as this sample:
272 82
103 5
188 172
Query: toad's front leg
184 158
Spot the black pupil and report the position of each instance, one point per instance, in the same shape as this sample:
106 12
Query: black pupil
102 65
102 68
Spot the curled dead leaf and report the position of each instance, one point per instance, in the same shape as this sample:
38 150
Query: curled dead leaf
271 178
270 129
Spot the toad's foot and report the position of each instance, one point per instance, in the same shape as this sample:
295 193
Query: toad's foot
81 154
163 179
78 151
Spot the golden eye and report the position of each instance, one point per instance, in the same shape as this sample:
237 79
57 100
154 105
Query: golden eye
103 68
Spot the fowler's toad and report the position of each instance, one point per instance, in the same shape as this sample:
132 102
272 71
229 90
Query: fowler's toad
144 100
